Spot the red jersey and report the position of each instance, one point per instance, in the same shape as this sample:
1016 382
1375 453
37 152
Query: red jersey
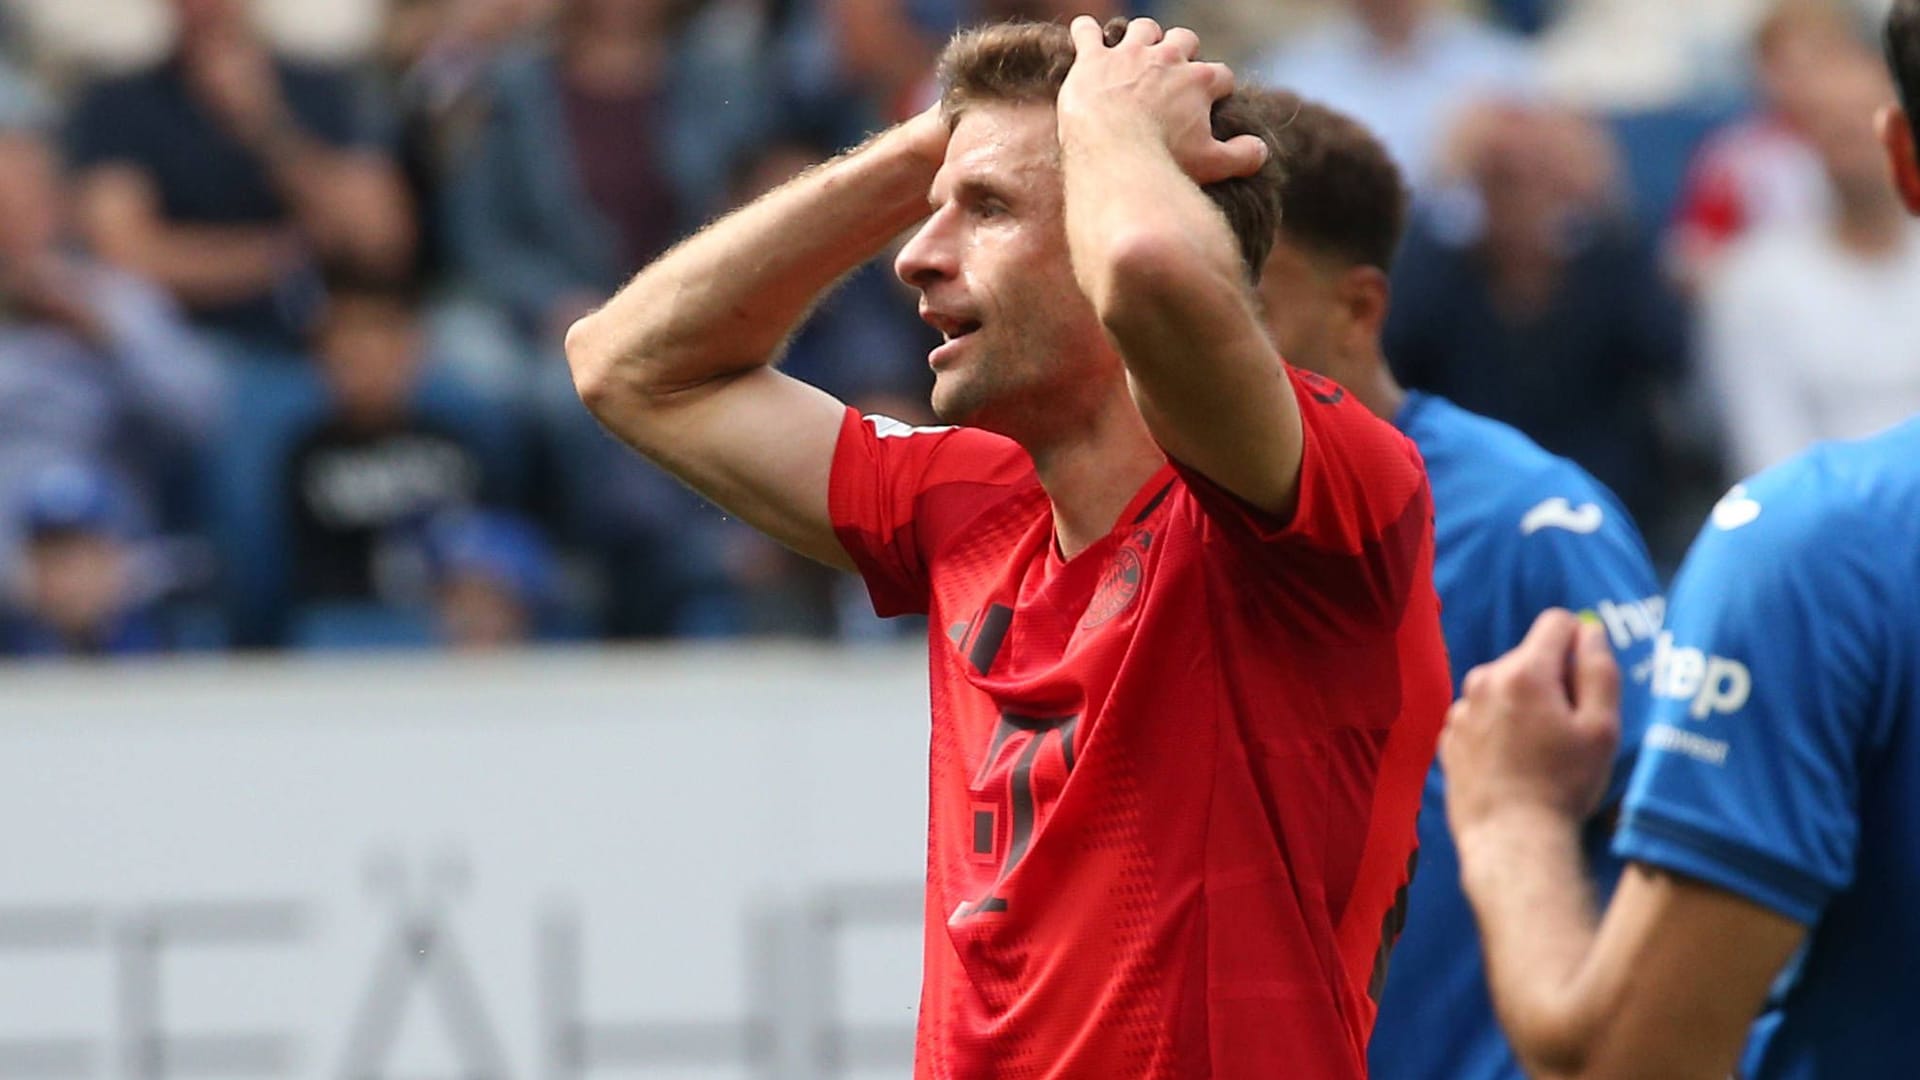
1173 779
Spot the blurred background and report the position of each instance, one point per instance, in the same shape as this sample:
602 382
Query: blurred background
283 285
282 292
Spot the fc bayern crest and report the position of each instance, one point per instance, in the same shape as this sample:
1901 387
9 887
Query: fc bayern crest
1119 585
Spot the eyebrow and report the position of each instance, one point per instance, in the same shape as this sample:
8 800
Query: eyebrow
976 188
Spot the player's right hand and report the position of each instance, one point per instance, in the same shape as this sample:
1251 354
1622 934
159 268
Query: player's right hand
1535 731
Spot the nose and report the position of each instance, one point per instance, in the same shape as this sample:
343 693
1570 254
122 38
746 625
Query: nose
931 255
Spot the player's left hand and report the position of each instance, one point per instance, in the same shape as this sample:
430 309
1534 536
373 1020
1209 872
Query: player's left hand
1534 732
1154 77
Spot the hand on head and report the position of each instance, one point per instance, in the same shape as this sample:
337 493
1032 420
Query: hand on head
1534 731
1156 77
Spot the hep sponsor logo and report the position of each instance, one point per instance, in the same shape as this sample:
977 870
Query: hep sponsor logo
1711 685
1629 622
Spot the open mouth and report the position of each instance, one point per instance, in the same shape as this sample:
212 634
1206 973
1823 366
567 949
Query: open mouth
953 332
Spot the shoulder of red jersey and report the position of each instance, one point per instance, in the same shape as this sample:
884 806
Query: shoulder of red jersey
899 493
1360 535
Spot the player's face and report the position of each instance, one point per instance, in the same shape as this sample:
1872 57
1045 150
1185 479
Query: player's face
1022 342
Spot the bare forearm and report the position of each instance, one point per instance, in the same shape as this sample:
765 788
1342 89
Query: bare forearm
1165 274
723 302
1146 242
1527 882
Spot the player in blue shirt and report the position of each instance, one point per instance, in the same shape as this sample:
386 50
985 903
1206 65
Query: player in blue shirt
1772 825
1517 531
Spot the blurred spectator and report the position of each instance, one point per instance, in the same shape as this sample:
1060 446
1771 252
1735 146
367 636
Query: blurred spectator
95 365
364 480
1542 305
493 578
1811 330
604 143
1525 16
848 67
1761 170
599 152
225 174
77 592
436 55
1403 69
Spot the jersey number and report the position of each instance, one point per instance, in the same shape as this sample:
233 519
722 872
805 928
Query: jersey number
1022 804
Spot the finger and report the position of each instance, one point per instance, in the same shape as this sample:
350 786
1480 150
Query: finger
1450 735
1243 155
1548 642
1220 80
1183 41
1142 31
1596 675
1085 31
1475 681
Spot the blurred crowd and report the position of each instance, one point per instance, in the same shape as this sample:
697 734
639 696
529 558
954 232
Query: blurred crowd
283 285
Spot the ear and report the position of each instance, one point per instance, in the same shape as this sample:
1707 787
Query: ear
1366 296
1896 135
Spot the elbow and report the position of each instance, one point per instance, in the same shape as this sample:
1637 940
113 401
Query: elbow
1559 1044
1128 268
1143 277
590 361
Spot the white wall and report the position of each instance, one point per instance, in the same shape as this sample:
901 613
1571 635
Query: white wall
735 838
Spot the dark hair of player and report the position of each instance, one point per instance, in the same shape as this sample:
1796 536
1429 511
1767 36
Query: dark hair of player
1344 196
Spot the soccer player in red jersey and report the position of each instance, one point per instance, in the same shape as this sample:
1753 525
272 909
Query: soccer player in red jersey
1186 660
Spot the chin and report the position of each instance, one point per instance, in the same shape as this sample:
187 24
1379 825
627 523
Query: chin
952 401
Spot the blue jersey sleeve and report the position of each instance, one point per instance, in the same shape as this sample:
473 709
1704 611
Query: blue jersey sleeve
1764 701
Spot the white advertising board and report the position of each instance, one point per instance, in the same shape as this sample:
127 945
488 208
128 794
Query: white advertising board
653 863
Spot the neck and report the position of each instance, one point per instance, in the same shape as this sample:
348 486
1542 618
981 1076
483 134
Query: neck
1372 384
1091 478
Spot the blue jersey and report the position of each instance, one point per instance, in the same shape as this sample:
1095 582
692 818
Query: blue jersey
1516 531
1782 760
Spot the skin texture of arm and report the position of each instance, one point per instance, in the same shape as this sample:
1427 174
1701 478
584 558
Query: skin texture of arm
1669 980
1159 261
678 363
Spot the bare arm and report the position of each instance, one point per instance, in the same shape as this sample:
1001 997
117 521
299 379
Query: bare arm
678 363
1668 983
1160 262
202 265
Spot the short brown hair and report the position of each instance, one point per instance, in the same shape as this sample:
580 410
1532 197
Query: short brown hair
1344 195
1024 63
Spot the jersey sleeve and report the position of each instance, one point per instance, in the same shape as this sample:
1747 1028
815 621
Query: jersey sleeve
1763 705
898 494
1363 515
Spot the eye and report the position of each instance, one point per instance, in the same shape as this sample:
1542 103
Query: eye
988 209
